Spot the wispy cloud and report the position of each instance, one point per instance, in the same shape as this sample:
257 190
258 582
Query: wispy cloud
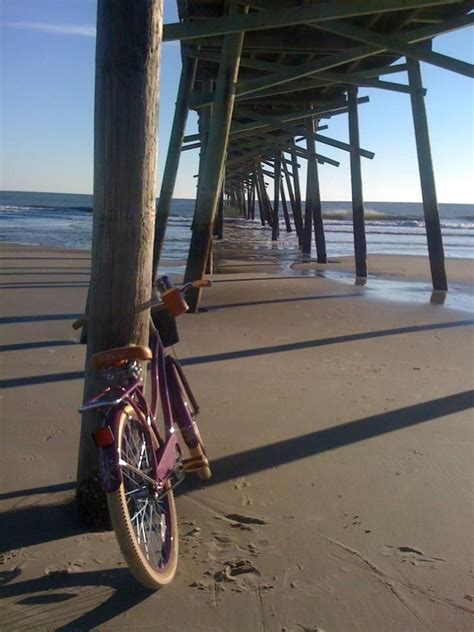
83 30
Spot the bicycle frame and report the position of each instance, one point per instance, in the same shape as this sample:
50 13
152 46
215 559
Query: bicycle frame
169 388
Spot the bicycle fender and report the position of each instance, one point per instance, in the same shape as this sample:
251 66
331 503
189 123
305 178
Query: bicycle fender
110 470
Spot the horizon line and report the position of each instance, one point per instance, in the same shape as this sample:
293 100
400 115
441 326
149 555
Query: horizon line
194 198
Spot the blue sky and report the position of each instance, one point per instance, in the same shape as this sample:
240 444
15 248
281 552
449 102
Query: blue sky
47 84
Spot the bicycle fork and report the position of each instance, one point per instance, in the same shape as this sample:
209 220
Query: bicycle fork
185 409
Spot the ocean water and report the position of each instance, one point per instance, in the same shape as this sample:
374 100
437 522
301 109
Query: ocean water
65 220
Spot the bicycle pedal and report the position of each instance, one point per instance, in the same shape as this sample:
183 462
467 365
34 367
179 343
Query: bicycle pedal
195 463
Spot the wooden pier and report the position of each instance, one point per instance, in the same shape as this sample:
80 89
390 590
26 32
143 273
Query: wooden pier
266 74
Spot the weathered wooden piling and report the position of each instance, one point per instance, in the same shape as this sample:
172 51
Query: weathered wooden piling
285 208
276 198
252 203
428 186
319 236
358 219
260 199
128 51
298 206
296 217
219 228
314 192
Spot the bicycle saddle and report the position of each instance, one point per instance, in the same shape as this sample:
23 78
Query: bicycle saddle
119 355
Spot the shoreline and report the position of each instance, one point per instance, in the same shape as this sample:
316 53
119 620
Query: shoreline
342 422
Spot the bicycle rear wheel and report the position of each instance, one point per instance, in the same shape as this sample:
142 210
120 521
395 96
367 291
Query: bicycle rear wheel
146 528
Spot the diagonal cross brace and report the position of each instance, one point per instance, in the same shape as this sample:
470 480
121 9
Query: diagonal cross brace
338 59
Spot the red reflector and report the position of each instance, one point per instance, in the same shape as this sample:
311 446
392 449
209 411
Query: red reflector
103 437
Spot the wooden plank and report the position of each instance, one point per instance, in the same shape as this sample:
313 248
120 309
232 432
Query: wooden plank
192 145
303 153
345 146
344 78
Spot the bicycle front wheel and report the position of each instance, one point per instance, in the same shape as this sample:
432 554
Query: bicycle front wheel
146 528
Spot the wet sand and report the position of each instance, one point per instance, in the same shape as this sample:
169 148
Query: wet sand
339 422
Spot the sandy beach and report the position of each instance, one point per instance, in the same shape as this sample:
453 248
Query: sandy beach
338 419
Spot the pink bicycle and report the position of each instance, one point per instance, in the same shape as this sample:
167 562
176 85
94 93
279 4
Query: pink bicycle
139 465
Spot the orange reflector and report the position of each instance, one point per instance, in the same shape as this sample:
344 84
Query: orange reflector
103 437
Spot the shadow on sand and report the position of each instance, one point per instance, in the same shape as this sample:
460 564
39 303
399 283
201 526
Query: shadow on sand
109 592
43 523
256 351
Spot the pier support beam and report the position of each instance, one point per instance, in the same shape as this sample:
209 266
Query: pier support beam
261 203
219 226
209 188
358 221
276 198
126 95
428 187
186 82
252 205
314 194
296 182
204 126
296 217
285 208
267 210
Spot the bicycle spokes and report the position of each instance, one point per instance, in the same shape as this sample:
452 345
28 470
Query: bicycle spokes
146 510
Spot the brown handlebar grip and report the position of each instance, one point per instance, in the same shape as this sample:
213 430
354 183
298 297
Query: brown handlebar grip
80 322
202 283
174 301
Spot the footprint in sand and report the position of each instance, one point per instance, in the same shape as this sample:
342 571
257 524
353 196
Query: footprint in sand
241 483
246 519
412 554
235 568
253 549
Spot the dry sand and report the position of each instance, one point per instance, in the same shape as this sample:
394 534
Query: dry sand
339 422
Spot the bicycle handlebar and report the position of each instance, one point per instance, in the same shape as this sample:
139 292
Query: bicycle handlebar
80 322
200 283
173 297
